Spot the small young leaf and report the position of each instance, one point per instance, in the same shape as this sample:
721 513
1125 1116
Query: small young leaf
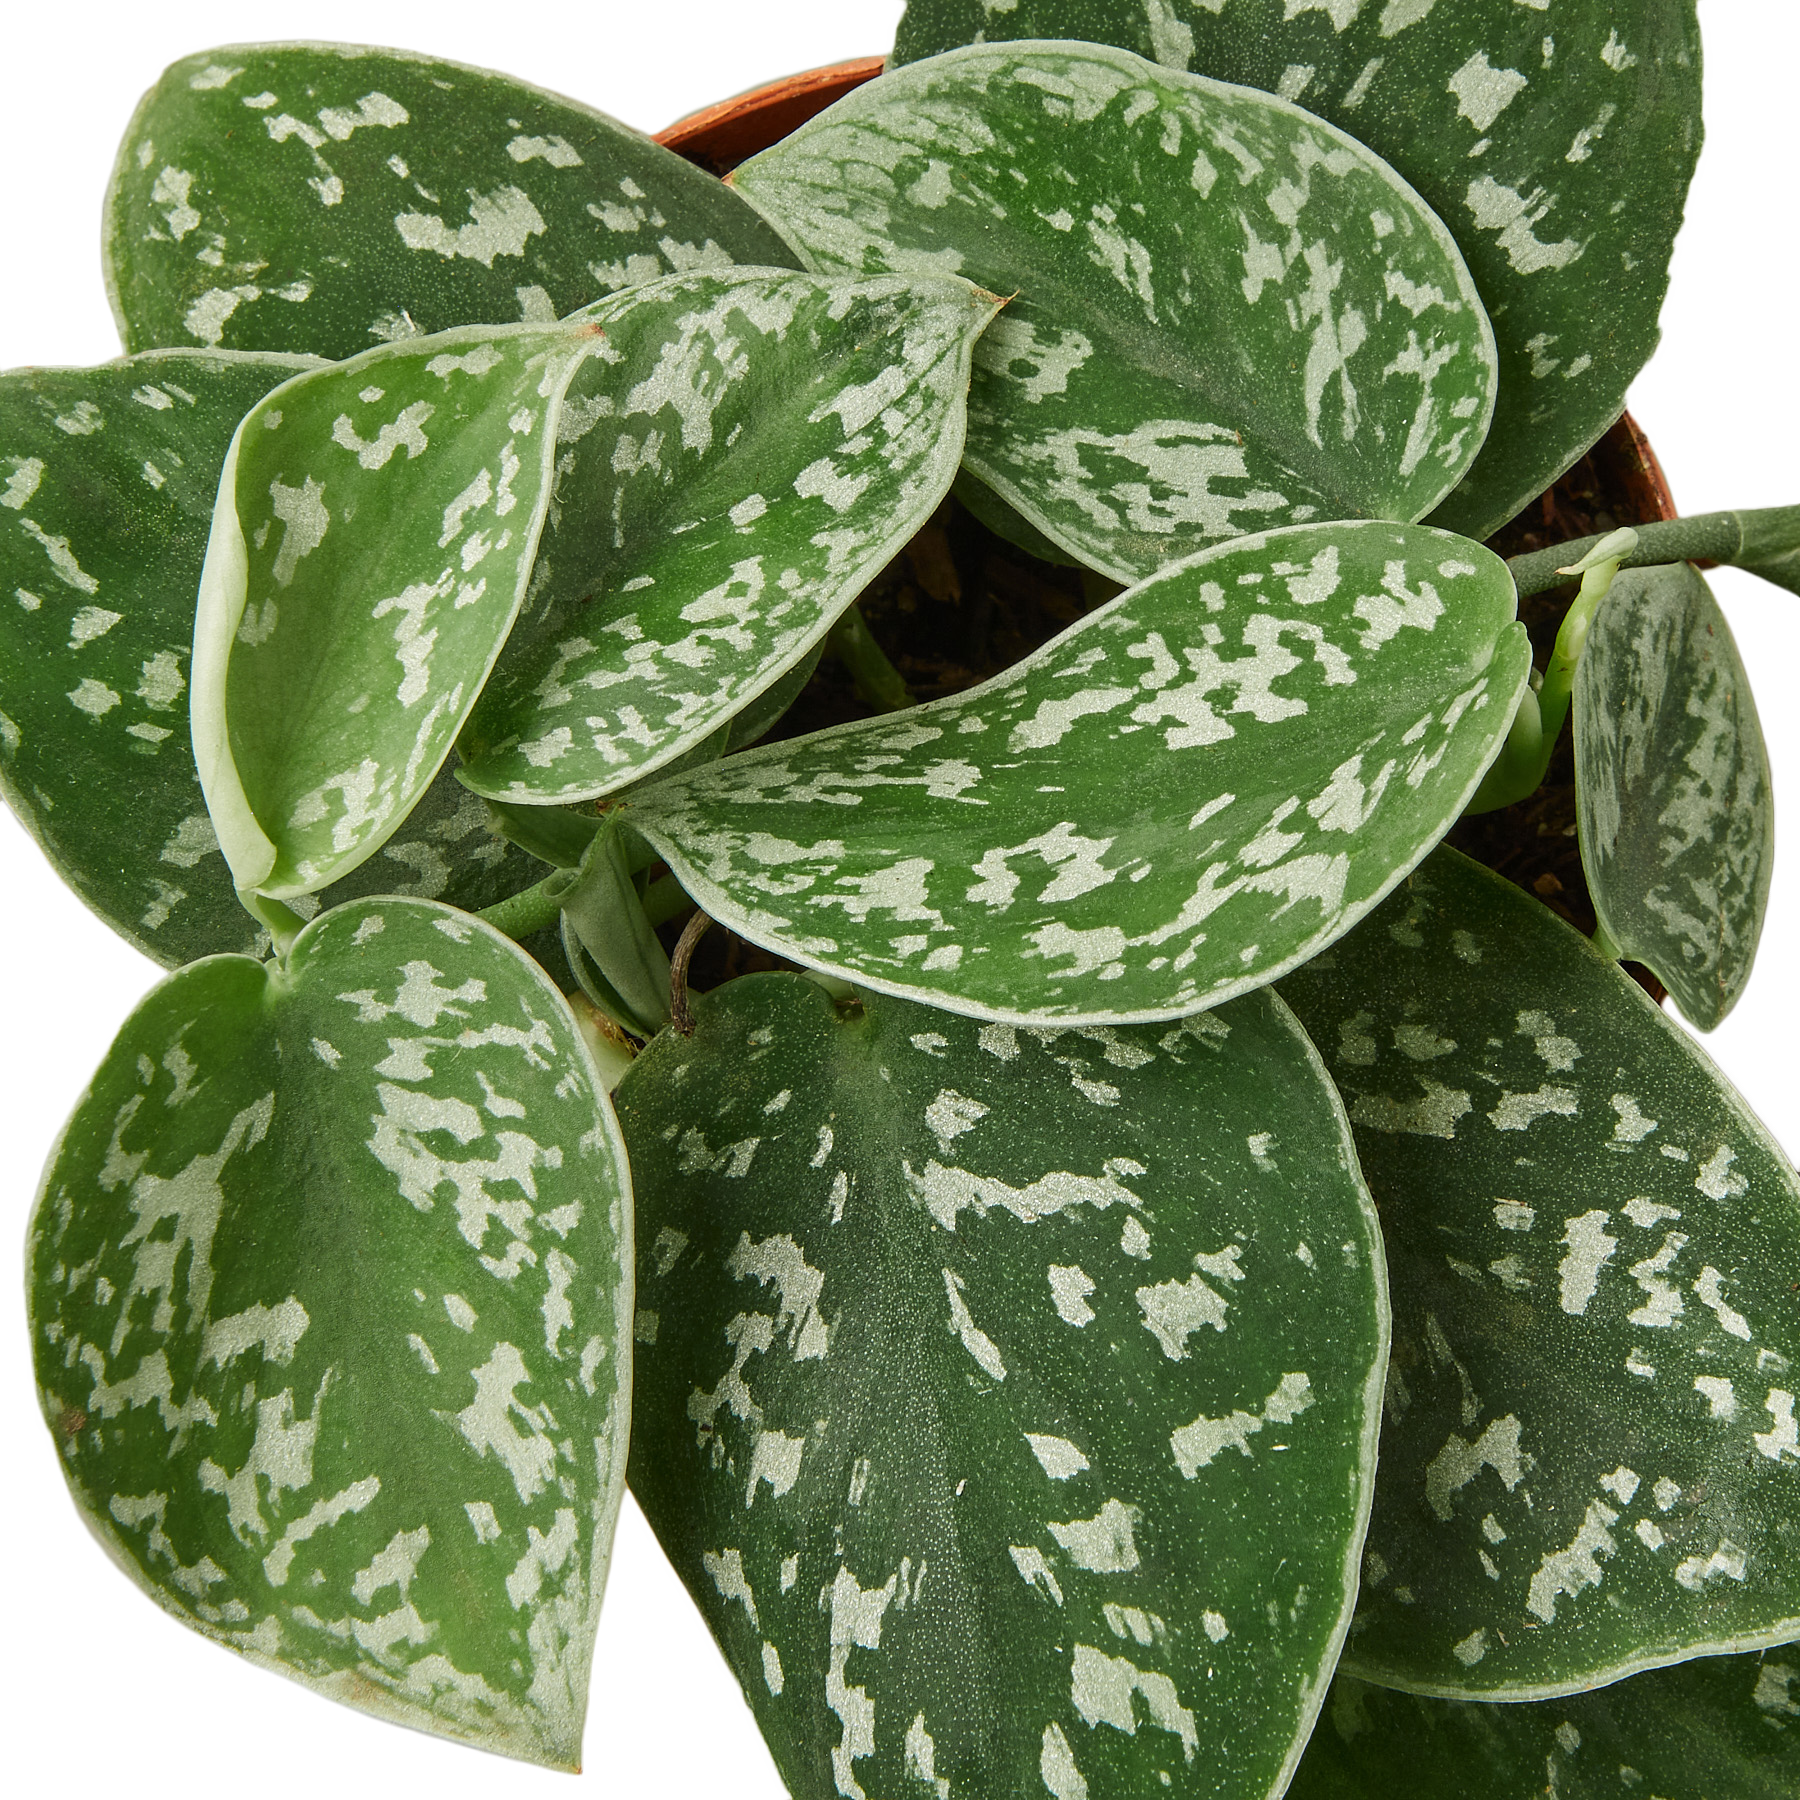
1198 786
1231 315
1715 1727
329 1283
744 453
1557 150
1006 1399
603 912
1590 1462
326 197
375 527
1676 809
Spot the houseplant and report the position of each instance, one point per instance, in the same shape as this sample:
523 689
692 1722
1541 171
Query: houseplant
798 1327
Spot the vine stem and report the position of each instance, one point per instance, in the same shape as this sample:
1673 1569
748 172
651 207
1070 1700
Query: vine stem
1706 537
1524 760
878 682
691 934
532 910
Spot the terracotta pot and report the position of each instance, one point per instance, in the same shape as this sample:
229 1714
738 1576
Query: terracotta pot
720 137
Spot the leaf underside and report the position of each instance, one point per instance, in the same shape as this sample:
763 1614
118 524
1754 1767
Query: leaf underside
738 458
1677 811
1558 151
329 1282
1005 1398
1195 788
1230 316
1590 1462
327 197
1714 1727
375 529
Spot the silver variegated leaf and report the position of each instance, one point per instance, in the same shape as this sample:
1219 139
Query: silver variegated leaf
1006 1399
329 1283
1556 144
110 476
1677 814
1590 1462
742 454
374 531
1231 315
1192 790
1715 1727
326 197
109 480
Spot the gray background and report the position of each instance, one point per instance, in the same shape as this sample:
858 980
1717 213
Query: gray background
101 1692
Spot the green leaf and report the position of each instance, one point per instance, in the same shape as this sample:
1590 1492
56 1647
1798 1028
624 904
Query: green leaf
1589 1464
1194 788
1715 1727
107 480
1770 545
1006 1399
329 1280
744 455
325 197
109 477
1677 814
375 527
1006 521
1557 149
1231 316
603 912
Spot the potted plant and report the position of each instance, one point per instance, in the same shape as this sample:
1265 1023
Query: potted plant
1012 1325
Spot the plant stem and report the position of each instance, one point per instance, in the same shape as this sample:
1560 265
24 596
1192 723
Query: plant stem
1523 763
281 922
1707 537
878 682
691 934
532 910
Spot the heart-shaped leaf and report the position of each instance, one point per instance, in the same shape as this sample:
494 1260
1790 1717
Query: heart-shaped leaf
375 528
1230 315
329 1280
1557 149
1677 816
1006 1399
745 454
1198 786
109 480
1590 1462
326 197
1714 1727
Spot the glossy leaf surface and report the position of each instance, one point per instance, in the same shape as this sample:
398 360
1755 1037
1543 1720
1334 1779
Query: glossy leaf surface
1719 1726
1231 316
1005 1398
329 1281
373 535
327 197
1677 812
1589 1462
1556 146
1196 787
740 457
